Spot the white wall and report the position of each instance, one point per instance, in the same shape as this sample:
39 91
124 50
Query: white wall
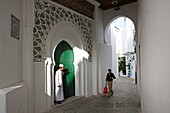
108 36
111 32
13 99
89 80
130 35
99 26
105 62
27 52
40 94
115 36
0 36
100 42
155 53
98 38
10 48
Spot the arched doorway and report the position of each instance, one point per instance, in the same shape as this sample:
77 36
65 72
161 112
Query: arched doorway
64 55
120 34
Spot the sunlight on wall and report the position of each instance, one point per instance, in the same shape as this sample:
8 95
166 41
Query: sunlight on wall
48 76
8 89
79 54
125 29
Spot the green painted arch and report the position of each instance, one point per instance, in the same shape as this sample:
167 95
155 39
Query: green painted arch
64 55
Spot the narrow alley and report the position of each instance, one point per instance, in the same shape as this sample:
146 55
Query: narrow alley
124 100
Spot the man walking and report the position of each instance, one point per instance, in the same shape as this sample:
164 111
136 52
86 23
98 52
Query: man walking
109 79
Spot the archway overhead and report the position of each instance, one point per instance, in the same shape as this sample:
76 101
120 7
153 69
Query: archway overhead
108 4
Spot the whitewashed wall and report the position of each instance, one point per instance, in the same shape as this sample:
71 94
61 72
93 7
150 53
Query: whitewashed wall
10 48
13 99
94 48
99 41
13 92
114 34
89 80
27 52
105 62
155 53
99 26
40 94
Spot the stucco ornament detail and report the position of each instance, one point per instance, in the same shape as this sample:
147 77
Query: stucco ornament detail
46 16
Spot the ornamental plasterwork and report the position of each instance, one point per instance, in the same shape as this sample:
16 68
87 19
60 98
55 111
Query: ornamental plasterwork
46 16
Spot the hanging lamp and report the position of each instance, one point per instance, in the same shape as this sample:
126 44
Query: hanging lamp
115 2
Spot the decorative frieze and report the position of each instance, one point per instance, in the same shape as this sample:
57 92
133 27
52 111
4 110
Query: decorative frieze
46 16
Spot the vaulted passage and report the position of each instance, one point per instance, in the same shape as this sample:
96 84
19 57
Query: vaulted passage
124 100
37 35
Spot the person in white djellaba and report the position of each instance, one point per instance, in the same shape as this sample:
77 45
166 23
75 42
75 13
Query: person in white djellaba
59 95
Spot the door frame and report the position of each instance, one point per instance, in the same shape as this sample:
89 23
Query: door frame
68 32
57 60
79 71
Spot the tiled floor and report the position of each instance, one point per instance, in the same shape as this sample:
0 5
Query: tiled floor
124 100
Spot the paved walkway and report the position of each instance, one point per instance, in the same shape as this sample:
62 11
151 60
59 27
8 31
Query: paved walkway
124 100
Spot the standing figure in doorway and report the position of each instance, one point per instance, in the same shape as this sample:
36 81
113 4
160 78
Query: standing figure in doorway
109 79
59 96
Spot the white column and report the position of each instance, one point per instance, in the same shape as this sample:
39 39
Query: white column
77 80
84 78
28 22
94 49
154 27
82 73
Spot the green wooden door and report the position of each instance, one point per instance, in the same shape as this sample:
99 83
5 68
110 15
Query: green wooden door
64 55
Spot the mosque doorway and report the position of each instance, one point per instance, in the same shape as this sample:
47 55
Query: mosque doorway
64 55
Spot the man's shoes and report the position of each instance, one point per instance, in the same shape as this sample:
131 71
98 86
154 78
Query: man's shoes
58 102
108 96
111 92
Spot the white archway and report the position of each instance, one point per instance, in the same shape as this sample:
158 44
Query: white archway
68 32
110 38
130 11
112 20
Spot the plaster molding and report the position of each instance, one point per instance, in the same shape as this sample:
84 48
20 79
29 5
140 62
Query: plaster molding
47 15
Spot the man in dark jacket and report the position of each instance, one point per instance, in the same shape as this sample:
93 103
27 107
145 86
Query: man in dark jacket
109 79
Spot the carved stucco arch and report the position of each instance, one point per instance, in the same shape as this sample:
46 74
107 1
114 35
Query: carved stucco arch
47 15
68 32
63 31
